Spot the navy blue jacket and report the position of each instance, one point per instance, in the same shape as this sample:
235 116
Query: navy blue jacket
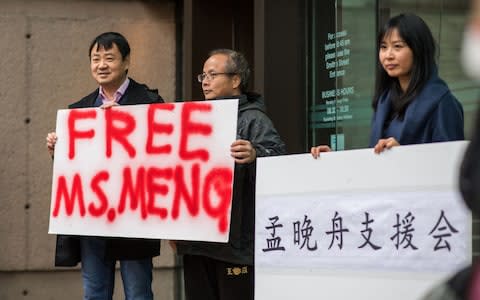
435 115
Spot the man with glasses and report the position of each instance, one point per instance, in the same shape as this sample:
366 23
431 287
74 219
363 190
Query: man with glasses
220 271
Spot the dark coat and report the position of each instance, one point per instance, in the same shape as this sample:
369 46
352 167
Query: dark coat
67 252
253 125
469 179
455 288
435 115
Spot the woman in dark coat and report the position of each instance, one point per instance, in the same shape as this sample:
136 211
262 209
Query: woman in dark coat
412 105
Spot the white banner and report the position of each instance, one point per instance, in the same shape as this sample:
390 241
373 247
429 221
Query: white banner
145 171
359 230
396 219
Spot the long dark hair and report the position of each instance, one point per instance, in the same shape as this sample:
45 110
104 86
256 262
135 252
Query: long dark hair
416 34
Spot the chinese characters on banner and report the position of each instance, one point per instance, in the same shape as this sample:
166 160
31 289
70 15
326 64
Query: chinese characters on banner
145 171
376 230
395 218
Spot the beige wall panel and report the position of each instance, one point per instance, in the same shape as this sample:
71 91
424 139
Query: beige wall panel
59 75
88 9
153 55
68 285
14 137
166 257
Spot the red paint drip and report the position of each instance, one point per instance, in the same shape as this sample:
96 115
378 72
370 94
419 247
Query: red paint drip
114 132
158 128
76 193
98 211
154 187
220 180
75 115
191 200
135 191
111 215
193 128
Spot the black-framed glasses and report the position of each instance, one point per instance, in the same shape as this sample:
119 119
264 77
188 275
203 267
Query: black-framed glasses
211 76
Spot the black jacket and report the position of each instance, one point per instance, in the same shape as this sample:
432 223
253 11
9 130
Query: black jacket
456 287
469 179
254 126
67 252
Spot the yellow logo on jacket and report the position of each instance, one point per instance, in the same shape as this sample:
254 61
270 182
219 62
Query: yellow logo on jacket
237 271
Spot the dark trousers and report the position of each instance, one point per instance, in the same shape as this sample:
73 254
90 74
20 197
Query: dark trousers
210 279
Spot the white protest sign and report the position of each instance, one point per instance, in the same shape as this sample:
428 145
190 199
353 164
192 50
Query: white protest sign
356 225
145 171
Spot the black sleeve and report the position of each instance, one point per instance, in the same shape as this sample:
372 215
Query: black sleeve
154 96
259 130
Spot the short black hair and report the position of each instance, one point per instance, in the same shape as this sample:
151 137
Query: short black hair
236 63
417 35
106 41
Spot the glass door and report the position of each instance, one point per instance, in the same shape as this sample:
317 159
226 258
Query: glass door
342 52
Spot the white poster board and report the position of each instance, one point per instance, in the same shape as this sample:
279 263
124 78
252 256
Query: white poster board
145 171
357 225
